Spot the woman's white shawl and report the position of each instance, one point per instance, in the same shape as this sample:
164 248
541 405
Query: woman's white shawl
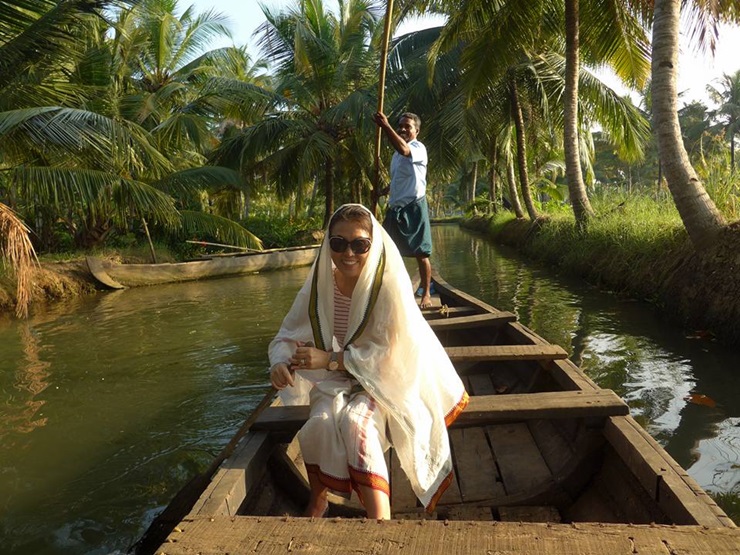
391 350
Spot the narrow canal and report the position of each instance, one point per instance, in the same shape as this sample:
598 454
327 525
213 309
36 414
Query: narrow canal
110 403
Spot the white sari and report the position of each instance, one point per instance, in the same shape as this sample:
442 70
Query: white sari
390 350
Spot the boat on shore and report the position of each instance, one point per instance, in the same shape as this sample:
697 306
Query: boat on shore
119 276
545 461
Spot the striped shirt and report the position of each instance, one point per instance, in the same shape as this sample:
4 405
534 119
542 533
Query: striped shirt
341 315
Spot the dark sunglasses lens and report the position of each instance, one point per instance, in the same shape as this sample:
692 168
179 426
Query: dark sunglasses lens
338 244
359 246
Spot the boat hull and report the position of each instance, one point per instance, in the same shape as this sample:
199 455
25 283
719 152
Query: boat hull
119 276
539 443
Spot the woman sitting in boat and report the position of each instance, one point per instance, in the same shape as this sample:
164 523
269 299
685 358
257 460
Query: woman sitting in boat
356 347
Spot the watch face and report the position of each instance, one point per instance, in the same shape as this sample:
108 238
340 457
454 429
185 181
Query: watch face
333 362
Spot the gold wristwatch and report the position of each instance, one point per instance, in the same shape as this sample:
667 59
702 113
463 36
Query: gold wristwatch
333 361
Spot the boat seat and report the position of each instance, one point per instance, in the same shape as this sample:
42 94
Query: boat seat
472 321
484 409
449 312
481 353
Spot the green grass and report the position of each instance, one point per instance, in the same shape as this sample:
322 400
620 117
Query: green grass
631 243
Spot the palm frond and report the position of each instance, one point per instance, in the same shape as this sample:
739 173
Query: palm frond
16 248
223 230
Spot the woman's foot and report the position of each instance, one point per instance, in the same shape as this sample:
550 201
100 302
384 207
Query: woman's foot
317 508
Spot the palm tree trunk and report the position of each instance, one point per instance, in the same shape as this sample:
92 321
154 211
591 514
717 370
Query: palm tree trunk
732 153
473 185
697 210
516 206
328 190
521 151
576 188
493 186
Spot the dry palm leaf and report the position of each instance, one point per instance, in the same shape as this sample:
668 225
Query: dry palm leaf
16 248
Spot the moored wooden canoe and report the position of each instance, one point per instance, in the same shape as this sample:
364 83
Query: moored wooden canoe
540 444
119 276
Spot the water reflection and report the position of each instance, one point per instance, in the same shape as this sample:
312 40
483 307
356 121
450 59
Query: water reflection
111 403
30 381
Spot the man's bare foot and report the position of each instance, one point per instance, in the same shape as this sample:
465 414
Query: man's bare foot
426 301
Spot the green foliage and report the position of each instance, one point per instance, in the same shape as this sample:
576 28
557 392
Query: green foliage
283 231
729 502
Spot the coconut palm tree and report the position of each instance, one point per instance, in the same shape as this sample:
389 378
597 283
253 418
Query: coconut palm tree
93 157
600 33
727 96
322 95
697 210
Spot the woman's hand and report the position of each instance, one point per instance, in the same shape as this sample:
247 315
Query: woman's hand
281 376
308 357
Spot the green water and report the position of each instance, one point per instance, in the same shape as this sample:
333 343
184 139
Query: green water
112 402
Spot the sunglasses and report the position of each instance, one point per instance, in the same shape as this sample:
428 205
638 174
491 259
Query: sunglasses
359 246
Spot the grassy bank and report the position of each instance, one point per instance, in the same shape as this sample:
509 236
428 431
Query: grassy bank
637 247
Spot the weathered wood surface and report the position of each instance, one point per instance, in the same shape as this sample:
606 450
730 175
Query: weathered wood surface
486 353
119 276
283 535
235 479
482 321
485 409
450 312
678 495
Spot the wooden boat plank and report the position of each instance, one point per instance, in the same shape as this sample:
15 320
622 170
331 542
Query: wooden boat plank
329 536
234 480
624 495
481 384
450 312
529 514
568 375
518 458
445 289
472 321
484 409
556 451
476 468
675 491
477 353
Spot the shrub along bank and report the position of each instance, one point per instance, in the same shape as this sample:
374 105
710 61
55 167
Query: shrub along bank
639 249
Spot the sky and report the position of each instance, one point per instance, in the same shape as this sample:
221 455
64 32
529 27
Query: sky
696 71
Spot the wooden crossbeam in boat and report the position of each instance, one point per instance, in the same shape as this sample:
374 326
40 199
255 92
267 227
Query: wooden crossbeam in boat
337 536
480 353
473 321
485 409
450 312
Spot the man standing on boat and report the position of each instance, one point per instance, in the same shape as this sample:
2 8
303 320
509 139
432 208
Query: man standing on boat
407 218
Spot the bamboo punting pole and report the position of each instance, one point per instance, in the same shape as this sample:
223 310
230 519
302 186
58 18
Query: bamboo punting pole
381 98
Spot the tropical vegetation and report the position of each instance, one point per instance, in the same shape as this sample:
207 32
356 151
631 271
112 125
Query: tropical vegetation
118 121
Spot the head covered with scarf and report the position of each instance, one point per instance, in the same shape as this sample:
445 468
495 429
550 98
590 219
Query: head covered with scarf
390 349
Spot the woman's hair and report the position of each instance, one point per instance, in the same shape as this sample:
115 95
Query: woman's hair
354 213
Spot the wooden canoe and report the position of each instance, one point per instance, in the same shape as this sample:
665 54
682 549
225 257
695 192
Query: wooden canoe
545 462
120 276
